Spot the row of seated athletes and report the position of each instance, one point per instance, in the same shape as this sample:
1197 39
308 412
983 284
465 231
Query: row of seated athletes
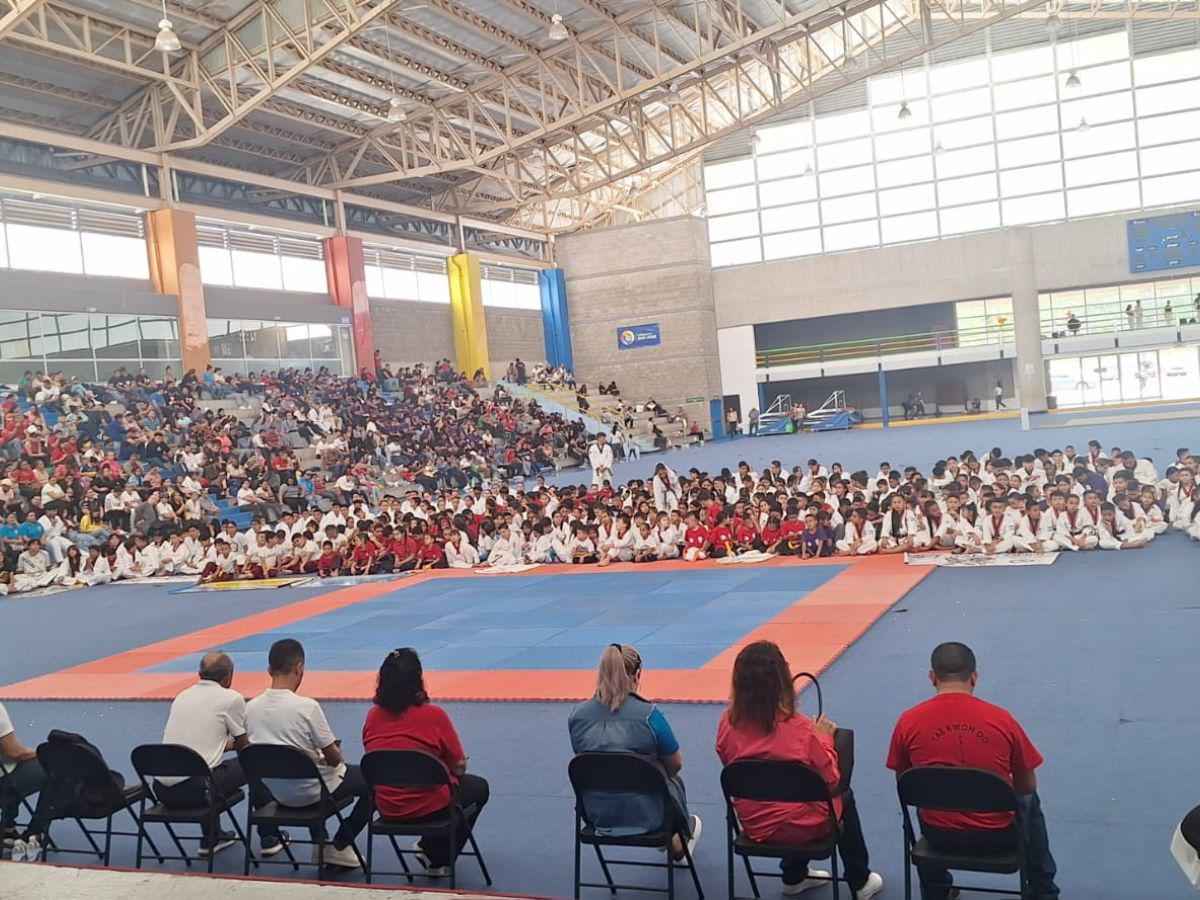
762 721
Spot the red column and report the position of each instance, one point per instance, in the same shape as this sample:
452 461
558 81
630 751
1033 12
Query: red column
346 273
175 269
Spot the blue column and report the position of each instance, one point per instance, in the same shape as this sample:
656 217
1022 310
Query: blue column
883 397
716 415
556 322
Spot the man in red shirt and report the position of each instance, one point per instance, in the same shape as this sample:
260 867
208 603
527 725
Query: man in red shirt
955 728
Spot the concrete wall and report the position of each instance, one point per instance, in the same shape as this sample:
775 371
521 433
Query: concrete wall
512 333
651 272
408 331
1073 254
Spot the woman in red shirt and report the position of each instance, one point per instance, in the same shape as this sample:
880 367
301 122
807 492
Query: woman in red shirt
404 719
762 723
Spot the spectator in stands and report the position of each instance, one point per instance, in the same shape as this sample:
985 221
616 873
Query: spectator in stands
210 718
985 737
281 716
762 723
753 420
23 778
402 718
998 393
617 719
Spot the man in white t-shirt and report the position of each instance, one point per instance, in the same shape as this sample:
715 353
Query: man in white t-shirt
210 718
25 777
281 716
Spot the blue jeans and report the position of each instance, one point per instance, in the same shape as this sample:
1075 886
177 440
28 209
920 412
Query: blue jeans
1039 864
26 780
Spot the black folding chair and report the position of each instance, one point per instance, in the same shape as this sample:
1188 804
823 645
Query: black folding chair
10 794
83 788
152 761
624 773
776 781
278 761
962 790
413 769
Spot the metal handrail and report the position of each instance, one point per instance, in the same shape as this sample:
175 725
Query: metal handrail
904 343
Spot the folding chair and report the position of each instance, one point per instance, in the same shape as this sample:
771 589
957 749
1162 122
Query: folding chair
624 773
9 794
776 781
152 761
277 761
962 790
85 789
414 769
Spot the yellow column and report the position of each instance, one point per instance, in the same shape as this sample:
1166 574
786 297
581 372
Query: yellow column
175 269
466 310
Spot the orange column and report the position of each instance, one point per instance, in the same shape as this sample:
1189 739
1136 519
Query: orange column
175 269
346 273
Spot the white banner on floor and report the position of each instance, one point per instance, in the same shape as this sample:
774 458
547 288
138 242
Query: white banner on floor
507 570
973 560
752 556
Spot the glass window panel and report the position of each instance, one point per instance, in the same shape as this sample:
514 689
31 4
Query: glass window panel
1092 50
1011 64
1166 67
965 133
304 275
1098 169
724 228
324 341
840 126
1167 97
225 339
499 293
1180 372
1098 110
728 174
887 118
1027 151
914 227
215 266
846 181
1101 139
849 237
958 75
1026 122
159 337
3 247
785 137
1038 208
529 296
731 200
736 253
115 337
970 218
790 218
375 281
1029 92
848 209
902 143
295 342
904 171
962 105
787 190
434 287
1097 80
783 165
1031 180
44 249
65 335
1173 158
971 189
108 254
1102 198
85 370
843 153
1165 190
965 162
906 200
262 341
256 270
400 284
892 87
1164 129
20 335
792 243
346 342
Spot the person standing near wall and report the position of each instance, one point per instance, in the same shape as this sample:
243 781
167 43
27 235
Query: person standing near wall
998 392
754 415
731 421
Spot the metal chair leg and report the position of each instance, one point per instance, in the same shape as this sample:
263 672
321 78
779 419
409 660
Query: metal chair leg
90 839
670 874
604 867
400 856
137 855
107 841
370 854
687 855
833 870
149 840
907 873
487 878
750 875
243 836
178 845
577 866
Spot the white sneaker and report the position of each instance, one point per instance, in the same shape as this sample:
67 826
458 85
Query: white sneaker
431 871
816 878
344 858
873 886
697 826
33 849
19 849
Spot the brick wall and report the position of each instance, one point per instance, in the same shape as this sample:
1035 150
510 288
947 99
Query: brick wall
651 272
512 333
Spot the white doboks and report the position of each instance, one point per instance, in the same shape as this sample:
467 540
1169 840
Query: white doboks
1187 856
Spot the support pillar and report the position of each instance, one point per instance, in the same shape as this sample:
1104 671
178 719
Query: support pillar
1030 370
556 321
883 398
174 257
466 310
346 275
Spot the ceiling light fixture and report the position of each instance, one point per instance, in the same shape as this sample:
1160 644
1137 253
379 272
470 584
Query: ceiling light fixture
395 111
905 112
938 149
1053 22
672 96
557 31
1073 81
1083 125
166 41
808 169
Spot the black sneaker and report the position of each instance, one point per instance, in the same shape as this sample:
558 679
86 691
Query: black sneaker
272 846
224 839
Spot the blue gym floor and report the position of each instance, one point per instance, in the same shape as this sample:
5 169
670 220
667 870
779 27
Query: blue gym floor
1095 655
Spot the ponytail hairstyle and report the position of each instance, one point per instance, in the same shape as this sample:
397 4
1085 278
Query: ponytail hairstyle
762 687
617 677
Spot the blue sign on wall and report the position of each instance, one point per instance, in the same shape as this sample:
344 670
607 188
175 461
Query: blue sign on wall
631 336
1164 242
